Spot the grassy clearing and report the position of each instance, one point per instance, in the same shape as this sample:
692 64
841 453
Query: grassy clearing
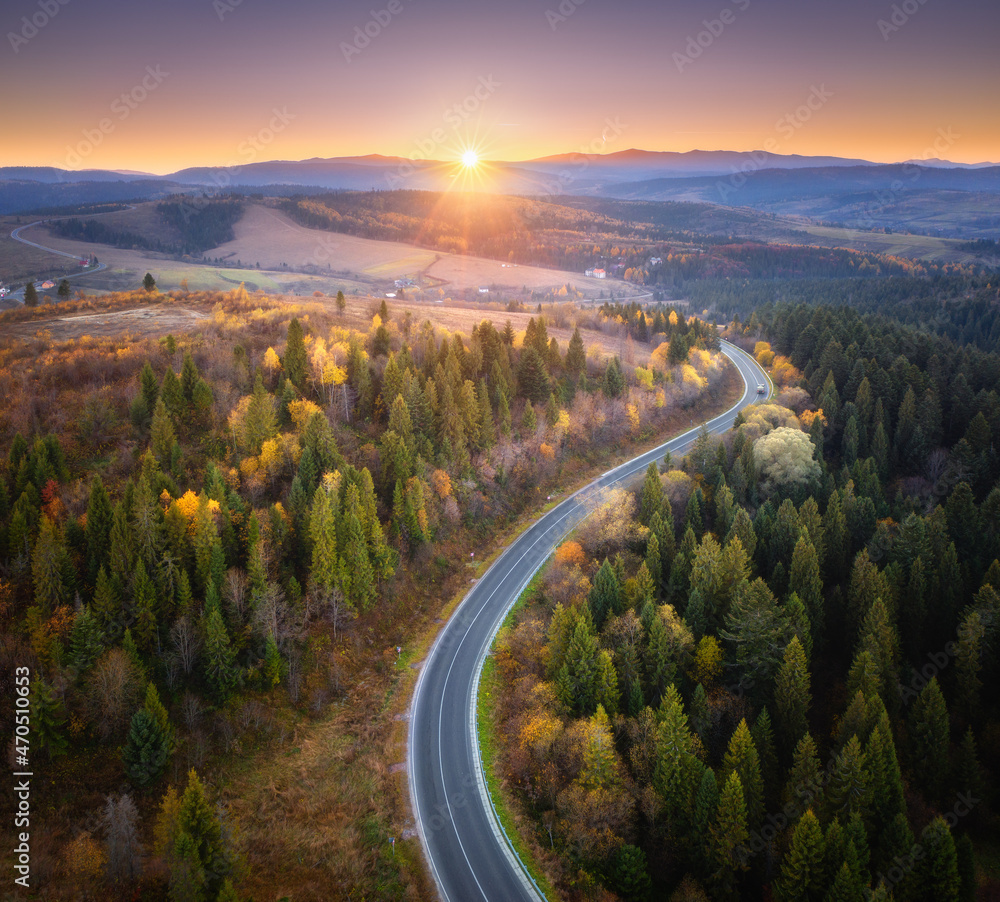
928 247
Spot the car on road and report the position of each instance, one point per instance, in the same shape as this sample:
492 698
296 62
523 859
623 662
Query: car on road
761 390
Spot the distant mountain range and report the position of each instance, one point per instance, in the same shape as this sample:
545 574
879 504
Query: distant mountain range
812 185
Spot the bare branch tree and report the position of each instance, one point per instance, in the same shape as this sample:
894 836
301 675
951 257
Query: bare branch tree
274 616
121 820
235 592
186 643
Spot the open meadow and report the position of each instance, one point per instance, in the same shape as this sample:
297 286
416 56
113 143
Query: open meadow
272 253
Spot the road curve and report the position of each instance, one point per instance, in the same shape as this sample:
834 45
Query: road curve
468 853
16 235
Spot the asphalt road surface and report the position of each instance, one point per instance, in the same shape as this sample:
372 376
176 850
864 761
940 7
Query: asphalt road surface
16 235
465 846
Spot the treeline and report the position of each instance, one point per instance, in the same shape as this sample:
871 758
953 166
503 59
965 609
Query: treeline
97 232
202 223
184 545
765 675
662 323
957 305
637 242
198 225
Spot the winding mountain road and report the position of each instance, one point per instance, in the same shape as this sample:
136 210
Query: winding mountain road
467 850
16 235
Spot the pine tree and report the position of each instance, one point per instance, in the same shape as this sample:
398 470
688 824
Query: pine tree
881 640
846 887
219 657
605 595
86 640
741 758
577 682
295 361
503 416
742 528
144 607
804 785
48 567
357 578
729 837
47 719
30 295
189 379
274 666
651 495
968 771
938 879
154 707
884 777
487 431
802 868
629 875
792 695
146 750
676 778
929 739
806 582
847 792
100 518
653 564
325 570
206 847
576 355
121 556
532 376
171 393
341 303
614 379
187 876
763 738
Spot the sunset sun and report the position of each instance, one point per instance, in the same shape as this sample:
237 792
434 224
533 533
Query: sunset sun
470 159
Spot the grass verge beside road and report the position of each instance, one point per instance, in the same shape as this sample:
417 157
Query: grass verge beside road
489 750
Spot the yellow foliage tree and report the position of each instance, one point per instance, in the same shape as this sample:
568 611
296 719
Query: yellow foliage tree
571 553
272 362
441 482
707 662
301 411
634 420
644 377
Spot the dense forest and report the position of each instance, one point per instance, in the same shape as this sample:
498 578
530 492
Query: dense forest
97 232
770 678
199 224
953 303
199 536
